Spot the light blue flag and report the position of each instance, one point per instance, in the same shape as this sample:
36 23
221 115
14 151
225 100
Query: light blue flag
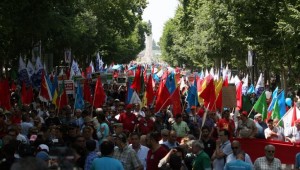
79 101
281 103
251 89
274 98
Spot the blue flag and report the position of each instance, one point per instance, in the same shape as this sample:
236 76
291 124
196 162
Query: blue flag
170 83
281 103
251 89
79 102
129 92
274 98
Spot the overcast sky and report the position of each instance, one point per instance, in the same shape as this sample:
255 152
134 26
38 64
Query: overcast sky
158 12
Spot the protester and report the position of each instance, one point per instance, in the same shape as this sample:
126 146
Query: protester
107 162
268 161
226 123
202 160
156 152
140 150
246 126
181 128
223 149
236 148
208 142
293 134
239 163
125 154
260 125
273 133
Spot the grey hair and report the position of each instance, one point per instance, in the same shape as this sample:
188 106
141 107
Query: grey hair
190 143
198 144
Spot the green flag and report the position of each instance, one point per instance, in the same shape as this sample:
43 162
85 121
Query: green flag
247 106
276 112
261 105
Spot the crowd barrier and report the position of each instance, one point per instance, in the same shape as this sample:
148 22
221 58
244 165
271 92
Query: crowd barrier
284 151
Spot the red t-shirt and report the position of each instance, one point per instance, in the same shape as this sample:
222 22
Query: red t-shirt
128 120
226 124
154 158
145 126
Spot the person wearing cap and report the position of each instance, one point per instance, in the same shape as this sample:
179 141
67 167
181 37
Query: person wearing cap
293 134
137 111
261 126
128 119
273 133
159 123
246 126
118 128
125 154
226 123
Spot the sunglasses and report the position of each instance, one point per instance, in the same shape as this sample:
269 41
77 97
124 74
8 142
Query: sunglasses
270 151
234 147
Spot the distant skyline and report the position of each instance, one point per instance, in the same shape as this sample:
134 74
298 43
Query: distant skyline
158 12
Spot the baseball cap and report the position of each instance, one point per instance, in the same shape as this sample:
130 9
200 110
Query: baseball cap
44 147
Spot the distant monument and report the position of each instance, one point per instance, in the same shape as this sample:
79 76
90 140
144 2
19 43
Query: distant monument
147 58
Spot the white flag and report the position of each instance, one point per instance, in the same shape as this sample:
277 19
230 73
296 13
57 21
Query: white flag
245 85
260 87
30 68
135 98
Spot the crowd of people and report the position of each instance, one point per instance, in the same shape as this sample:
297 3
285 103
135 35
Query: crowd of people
131 136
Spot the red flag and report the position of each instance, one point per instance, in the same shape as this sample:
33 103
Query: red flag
149 91
87 92
13 86
175 99
239 98
29 95
99 95
136 85
62 97
45 94
219 102
24 94
4 94
162 97
294 116
209 95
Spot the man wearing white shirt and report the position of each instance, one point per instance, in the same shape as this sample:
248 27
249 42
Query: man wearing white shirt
273 133
140 150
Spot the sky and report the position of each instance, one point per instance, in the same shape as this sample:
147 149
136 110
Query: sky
158 12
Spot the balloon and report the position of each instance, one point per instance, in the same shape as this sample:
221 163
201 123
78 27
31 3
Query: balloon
288 101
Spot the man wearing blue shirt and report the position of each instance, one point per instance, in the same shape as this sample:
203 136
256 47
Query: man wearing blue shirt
106 162
239 163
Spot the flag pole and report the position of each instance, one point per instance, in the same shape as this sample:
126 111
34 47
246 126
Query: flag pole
75 102
203 120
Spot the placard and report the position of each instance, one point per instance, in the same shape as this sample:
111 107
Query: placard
69 86
229 96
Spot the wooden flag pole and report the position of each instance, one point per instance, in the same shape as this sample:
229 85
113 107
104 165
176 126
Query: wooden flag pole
203 120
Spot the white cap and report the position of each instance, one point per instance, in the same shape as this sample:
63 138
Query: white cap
44 147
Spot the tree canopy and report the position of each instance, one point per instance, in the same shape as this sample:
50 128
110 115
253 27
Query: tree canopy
203 32
112 27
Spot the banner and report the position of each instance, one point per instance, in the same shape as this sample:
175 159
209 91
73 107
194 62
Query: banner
69 86
284 151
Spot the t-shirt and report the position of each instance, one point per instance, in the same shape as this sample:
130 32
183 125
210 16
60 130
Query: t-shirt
227 125
246 128
154 158
181 129
202 162
128 120
237 165
106 163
